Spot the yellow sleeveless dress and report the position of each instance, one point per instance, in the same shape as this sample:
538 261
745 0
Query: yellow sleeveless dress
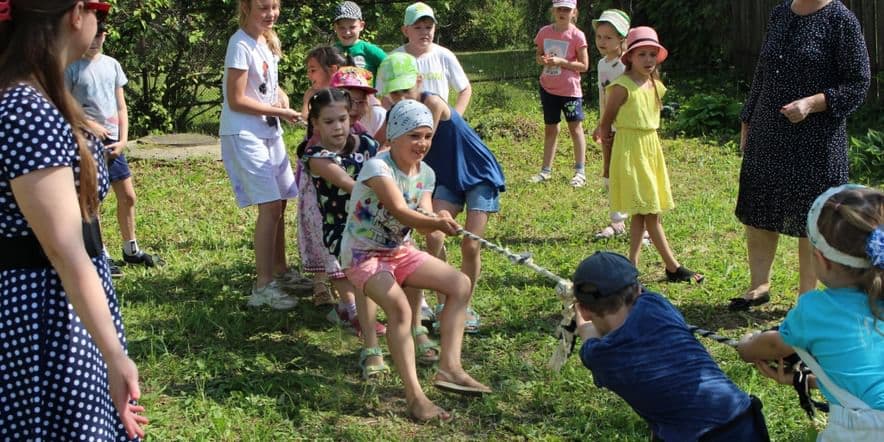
639 182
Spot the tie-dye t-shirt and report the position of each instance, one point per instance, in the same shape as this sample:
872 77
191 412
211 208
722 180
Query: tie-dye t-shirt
371 229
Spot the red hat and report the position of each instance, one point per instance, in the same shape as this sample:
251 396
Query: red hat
644 36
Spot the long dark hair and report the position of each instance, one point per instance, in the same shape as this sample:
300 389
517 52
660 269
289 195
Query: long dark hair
846 221
320 100
29 52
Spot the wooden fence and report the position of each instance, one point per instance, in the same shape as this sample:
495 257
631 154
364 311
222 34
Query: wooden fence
750 23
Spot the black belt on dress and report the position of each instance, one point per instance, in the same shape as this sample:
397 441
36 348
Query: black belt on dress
25 252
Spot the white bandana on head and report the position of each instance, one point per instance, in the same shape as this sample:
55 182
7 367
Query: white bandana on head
817 239
406 116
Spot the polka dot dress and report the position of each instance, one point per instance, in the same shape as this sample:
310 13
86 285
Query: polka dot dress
785 165
53 381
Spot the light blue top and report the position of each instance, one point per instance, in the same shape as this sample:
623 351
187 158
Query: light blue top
836 326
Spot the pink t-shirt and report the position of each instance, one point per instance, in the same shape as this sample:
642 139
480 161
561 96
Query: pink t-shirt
556 80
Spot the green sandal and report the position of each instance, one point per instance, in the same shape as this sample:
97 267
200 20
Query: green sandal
371 371
422 349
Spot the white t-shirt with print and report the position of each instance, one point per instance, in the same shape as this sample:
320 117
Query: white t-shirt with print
608 72
246 54
371 229
440 70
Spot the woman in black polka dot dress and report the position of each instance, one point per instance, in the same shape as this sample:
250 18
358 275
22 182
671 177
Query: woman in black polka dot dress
813 71
64 372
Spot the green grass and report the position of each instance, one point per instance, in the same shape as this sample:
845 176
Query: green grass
213 369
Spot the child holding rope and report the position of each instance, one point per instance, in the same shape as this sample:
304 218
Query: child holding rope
639 182
638 345
380 259
469 178
838 331
333 163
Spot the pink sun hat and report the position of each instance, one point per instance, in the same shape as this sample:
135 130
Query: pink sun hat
351 77
644 36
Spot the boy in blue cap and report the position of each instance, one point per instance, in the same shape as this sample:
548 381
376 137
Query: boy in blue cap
638 345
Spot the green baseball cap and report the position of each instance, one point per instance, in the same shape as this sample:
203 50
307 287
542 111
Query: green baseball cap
417 11
398 72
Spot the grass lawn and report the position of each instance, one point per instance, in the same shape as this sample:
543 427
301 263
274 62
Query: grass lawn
213 369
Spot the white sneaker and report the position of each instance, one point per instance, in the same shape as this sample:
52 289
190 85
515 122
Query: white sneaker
579 180
271 295
540 177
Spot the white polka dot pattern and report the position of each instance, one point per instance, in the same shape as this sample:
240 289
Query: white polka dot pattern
53 381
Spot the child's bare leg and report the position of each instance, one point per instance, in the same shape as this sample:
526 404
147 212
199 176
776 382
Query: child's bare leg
366 310
279 262
383 289
438 238
437 275
415 300
266 230
550 136
636 231
579 139
658 237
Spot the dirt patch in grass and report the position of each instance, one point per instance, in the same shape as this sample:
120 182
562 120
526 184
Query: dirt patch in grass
171 147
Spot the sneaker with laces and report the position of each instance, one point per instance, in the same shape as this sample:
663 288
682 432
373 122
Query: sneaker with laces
272 296
579 180
541 177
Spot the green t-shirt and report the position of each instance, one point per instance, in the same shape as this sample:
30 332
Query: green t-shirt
365 55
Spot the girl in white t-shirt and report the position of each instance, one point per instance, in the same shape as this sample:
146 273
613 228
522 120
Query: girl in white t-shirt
610 37
251 141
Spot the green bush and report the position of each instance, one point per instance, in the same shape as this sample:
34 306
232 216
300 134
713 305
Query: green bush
867 158
708 115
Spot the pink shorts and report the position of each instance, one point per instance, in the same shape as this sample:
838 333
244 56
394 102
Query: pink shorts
400 262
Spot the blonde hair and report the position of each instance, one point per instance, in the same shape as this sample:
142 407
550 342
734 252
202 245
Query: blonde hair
846 221
245 8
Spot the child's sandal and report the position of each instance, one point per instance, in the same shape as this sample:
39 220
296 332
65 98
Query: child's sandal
427 352
372 371
682 274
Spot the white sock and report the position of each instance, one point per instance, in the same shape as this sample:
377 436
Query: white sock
130 247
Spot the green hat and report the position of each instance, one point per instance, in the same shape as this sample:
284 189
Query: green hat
398 72
618 19
417 11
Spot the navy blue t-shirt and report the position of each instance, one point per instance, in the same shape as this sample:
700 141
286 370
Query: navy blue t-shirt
657 366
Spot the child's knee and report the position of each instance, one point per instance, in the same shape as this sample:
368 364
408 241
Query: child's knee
126 198
398 314
470 249
461 287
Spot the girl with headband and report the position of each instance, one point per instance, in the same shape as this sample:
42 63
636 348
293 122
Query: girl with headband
839 331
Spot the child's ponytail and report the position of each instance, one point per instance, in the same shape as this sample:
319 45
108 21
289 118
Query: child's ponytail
852 222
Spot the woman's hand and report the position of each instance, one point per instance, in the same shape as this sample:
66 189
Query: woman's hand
798 110
122 377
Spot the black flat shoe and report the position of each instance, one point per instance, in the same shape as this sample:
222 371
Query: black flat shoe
742 304
682 274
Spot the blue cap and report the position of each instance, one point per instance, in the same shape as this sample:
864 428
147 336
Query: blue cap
609 273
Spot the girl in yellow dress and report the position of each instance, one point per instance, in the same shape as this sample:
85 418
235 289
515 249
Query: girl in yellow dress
639 182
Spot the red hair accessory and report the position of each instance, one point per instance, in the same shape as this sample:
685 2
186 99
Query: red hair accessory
5 10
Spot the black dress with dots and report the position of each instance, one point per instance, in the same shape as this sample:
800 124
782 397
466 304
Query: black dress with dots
53 380
785 165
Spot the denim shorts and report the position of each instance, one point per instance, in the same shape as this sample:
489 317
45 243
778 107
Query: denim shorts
117 168
482 198
555 105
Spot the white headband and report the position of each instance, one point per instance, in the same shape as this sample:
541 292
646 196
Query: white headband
817 239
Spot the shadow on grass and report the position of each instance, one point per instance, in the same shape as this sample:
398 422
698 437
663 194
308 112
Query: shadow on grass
223 350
